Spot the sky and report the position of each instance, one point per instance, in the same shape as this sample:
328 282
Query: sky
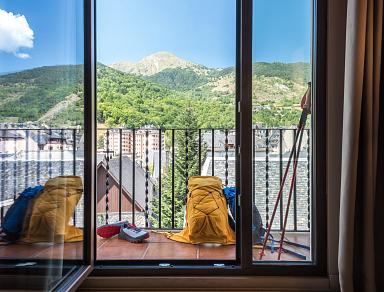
45 32
40 33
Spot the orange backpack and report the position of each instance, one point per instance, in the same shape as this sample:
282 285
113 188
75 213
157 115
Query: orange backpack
206 213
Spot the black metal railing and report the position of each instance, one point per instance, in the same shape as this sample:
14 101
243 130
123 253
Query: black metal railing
142 174
159 174
31 156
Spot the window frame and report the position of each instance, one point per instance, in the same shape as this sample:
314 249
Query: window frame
79 269
244 265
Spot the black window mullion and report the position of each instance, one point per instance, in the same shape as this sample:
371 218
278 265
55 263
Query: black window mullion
245 133
318 136
89 132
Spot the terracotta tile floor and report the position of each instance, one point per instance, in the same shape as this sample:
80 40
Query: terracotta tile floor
156 247
159 247
21 251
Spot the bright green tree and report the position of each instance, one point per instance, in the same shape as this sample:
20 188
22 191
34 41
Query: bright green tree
186 164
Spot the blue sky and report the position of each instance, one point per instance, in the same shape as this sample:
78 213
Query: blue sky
202 31
57 33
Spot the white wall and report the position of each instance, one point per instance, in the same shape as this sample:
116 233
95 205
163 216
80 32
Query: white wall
335 89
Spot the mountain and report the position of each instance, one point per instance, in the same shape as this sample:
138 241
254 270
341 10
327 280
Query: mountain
298 72
156 63
179 78
53 95
29 94
68 112
272 81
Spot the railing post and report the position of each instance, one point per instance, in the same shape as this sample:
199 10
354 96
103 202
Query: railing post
199 151
173 178
50 153
120 170
267 176
3 179
133 174
159 180
186 165
281 173
308 180
61 152
26 179
107 179
226 157
74 165
295 154
16 170
38 156
213 152
253 167
74 151
2 215
146 178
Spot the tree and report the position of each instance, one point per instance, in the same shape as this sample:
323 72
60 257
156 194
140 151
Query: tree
186 164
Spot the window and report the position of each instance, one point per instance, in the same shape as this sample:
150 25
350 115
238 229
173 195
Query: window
281 75
169 84
42 123
179 89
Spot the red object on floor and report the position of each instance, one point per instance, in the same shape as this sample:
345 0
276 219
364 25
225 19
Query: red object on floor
109 230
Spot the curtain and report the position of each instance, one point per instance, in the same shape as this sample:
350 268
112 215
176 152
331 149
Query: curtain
361 222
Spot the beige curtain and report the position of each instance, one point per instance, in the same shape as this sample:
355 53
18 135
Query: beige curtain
360 256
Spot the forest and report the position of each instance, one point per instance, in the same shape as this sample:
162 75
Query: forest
133 101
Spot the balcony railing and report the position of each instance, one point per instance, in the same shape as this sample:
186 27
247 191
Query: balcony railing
142 174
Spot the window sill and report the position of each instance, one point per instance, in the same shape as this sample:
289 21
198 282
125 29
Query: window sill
244 283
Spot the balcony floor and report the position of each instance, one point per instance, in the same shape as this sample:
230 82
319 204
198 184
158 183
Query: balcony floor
157 247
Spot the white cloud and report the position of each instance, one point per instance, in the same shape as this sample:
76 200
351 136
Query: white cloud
22 55
15 34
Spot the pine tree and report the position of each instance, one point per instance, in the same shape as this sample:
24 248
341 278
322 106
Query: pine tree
186 164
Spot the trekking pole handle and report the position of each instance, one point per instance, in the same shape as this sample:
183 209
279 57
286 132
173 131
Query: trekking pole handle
306 103
306 106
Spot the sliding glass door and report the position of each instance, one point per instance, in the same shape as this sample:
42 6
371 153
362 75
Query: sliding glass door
282 130
192 145
166 91
42 144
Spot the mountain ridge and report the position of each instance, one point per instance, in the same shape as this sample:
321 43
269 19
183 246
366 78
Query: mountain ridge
155 63
137 100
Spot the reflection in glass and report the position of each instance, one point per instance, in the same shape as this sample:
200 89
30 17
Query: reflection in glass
166 113
41 137
281 73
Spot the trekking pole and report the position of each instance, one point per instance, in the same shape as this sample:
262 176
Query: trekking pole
293 180
306 106
279 196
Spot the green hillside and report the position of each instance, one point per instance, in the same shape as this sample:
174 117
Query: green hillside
179 78
132 101
28 95
53 95
297 72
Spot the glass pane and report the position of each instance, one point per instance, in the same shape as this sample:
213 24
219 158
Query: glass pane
166 96
41 137
281 75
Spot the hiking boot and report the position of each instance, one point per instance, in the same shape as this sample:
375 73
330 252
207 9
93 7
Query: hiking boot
109 230
133 234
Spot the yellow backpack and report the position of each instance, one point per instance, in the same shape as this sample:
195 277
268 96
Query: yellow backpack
206 214
51 211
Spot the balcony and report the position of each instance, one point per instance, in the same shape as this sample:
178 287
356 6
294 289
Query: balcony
142 176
